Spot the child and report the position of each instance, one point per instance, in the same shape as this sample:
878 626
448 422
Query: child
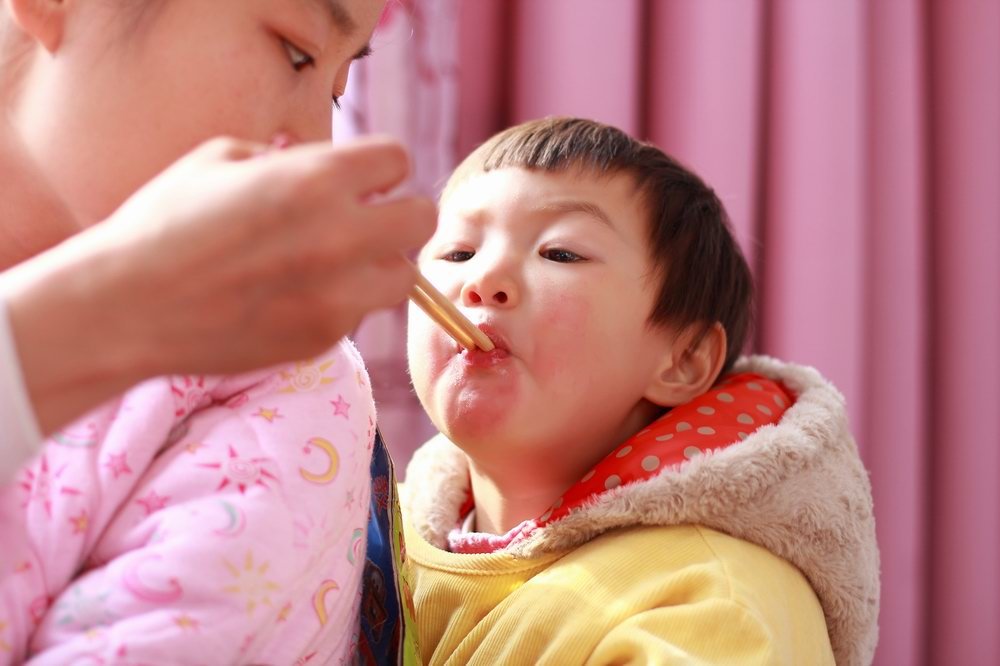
193 519
612 485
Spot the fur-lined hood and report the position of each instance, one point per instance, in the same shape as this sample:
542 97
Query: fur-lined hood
797 488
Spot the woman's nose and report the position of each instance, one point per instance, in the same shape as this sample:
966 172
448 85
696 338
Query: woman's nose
317 126
311 118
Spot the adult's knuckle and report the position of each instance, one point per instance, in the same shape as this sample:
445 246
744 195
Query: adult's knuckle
219 145
395 154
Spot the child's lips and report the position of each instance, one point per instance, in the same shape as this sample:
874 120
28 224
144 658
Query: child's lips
478 357
497 338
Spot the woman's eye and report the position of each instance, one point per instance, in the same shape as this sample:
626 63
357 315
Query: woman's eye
299 58
458 255
562 256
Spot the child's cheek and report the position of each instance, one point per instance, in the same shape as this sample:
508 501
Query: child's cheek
561 331
425 349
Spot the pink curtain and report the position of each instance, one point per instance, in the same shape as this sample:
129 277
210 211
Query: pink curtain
857 148
409 90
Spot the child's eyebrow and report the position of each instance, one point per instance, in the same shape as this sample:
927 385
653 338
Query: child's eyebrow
576 206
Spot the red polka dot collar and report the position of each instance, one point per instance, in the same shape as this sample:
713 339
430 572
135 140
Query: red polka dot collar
720 418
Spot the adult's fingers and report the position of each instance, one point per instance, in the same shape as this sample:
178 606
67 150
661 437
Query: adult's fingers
371 165
228 148
371 285
361 168
400 224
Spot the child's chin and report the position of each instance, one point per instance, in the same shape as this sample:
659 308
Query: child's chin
475 419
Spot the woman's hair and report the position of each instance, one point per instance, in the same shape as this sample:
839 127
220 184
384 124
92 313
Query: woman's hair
13 49
14 46
702 274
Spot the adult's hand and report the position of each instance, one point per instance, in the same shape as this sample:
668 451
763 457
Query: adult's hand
234 258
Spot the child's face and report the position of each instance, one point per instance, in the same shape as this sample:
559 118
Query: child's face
566 296
116 103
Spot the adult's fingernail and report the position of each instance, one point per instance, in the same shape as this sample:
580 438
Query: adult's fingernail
282 140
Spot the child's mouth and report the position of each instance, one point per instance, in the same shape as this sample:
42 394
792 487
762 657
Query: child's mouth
487 359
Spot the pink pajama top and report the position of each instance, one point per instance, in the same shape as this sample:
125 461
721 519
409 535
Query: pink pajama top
195 520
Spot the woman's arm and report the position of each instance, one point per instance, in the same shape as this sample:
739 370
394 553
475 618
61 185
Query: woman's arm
20 434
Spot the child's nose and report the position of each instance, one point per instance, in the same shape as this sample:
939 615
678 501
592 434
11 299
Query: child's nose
473 297
489 291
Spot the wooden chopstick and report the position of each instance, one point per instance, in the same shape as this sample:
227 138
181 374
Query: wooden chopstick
447 316
441 319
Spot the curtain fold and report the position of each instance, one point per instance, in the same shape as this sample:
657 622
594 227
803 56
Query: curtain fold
896 312
964 107
705 69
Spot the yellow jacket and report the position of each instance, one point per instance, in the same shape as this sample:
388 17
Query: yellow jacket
763 553
640 595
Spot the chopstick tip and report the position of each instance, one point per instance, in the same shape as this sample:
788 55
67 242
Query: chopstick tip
482 340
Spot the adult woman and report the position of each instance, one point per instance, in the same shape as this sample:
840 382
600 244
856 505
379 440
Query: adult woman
190 502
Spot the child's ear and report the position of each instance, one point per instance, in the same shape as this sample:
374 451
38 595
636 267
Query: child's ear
44 20
689 366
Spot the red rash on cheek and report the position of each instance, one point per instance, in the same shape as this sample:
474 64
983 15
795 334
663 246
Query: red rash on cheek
561 327
570 311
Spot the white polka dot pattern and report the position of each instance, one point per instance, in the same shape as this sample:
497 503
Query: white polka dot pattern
720 418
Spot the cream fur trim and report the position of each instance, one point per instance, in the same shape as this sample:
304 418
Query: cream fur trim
797 488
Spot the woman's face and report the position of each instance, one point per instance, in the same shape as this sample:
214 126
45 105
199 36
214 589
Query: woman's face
127 90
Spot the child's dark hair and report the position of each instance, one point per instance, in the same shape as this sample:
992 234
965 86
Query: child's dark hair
703 275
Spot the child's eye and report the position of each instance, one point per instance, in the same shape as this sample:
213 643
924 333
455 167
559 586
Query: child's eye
299 58
562 256
458 255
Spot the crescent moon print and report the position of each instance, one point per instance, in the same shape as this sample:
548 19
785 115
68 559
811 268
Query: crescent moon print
333 465
133 583
77 437
319 599
237 520
356 550
91 658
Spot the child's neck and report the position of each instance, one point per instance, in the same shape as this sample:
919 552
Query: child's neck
505 499
508 494
32 217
